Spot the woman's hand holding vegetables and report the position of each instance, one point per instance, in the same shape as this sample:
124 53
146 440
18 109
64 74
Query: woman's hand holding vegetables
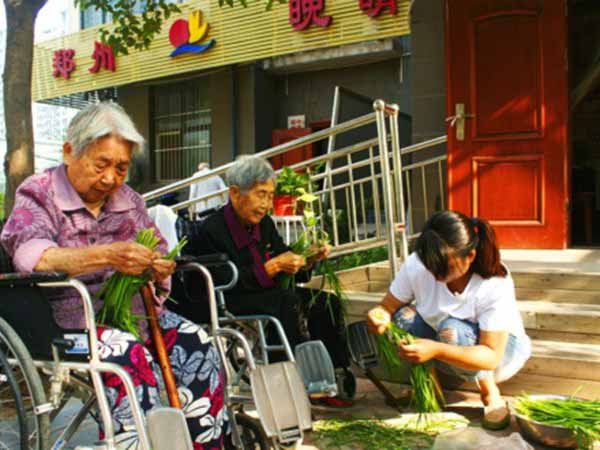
320 253
162 268
289 262
378 319
420 351
130 258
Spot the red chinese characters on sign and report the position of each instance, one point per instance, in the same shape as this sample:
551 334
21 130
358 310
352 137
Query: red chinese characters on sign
63 63
374 7
305 12
103 58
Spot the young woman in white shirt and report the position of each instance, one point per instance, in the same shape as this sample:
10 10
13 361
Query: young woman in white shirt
455 295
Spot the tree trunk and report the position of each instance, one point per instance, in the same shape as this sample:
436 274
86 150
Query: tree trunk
18 164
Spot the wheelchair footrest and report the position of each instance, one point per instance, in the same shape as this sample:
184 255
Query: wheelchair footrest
281 401
362 345
167 429
316 368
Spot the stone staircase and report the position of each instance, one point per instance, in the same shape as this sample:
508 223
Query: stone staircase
560 310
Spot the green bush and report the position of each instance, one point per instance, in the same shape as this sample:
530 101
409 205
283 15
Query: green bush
1 205
289 181
361 258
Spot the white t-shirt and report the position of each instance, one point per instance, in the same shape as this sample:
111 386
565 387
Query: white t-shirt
489 303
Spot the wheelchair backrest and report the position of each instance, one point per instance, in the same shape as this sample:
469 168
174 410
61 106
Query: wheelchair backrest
23 304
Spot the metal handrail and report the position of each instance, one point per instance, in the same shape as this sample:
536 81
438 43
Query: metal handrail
368 187
279 149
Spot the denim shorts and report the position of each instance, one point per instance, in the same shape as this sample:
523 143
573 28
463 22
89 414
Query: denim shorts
465 333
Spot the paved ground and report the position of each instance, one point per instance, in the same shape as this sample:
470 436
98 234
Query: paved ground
370 403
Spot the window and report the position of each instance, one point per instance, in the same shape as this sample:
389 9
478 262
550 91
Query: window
182 130
92 17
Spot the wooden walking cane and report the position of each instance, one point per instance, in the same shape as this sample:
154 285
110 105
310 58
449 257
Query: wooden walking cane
159 346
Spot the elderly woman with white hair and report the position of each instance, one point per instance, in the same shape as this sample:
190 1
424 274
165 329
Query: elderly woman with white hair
80 218
244 230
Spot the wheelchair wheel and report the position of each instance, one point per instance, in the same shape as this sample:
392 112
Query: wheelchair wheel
235 354
13 426
252 435
31 393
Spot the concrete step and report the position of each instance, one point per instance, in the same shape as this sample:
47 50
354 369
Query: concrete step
560 295
556 280
542 384
564 360
560 317
537 315
551 335
566 285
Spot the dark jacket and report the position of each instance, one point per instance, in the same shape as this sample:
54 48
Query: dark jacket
214 237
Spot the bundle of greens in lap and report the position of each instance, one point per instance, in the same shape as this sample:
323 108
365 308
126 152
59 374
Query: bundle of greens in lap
426 390
118 291
308 244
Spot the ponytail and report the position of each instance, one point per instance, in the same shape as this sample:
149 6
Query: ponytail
487 261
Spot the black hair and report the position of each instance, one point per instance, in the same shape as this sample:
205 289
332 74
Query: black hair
452 234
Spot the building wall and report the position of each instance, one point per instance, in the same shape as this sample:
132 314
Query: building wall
246 143
428 104
136 101
266 107
221 104
429 68
311 93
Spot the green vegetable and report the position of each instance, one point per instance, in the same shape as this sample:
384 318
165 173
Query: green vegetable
376 434
118 291
580 416
310 239
426 390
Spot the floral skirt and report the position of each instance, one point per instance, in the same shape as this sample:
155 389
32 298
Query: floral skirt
197 369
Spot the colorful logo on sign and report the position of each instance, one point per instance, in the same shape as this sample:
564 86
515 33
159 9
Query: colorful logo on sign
185 35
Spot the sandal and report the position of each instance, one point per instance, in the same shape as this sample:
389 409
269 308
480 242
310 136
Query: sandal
496 417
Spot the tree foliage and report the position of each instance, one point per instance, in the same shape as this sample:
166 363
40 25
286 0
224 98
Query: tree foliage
268 6
130 29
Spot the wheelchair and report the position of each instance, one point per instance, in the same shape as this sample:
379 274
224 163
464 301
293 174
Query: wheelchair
312 359
42 367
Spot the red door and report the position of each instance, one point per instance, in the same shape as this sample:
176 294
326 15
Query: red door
506 63
295 155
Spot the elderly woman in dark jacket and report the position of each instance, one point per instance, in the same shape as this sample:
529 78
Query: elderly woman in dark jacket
244 230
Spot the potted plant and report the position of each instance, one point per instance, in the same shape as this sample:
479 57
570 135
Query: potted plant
290 185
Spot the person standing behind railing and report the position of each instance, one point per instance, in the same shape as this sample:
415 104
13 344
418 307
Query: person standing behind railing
207 186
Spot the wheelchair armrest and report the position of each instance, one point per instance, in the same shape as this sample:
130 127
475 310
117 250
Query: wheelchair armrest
215 259
29 278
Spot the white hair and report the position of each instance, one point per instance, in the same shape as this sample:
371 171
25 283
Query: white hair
101 120
249 170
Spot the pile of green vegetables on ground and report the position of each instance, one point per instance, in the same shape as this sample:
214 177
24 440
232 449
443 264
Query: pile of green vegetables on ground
377 434
427 395
580 416
118 291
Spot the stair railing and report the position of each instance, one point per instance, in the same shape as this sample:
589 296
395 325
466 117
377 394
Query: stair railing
361 190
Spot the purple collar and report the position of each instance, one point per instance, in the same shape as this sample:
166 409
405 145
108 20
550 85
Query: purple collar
67 198
241 236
